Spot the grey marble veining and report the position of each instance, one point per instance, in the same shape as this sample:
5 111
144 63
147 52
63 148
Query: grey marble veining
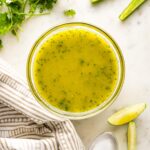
133 37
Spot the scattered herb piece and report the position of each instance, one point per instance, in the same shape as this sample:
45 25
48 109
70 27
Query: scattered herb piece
70 12
82 61
131 8
1 44
95 1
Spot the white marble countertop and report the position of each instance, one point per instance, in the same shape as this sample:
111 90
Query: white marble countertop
133 37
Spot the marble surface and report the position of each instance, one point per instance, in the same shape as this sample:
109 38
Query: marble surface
133 37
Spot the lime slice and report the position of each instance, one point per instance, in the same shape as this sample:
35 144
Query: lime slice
132 136
127 114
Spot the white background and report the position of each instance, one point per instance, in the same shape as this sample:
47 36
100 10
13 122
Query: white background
133 37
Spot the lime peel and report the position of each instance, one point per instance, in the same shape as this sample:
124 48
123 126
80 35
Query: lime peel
130 9
127 114
132 136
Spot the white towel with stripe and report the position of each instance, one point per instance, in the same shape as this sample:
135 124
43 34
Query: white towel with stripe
24 124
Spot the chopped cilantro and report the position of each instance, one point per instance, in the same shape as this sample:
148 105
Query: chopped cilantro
5 23
41 5
95 1
1 44
69 12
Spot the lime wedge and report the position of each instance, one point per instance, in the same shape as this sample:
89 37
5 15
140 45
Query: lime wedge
132 136
134 4
127 114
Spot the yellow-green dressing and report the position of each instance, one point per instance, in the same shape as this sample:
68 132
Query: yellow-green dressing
75 70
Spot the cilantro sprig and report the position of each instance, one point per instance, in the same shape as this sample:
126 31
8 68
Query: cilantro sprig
14 12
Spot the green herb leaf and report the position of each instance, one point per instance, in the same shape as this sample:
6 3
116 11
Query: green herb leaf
95 1
1 2
42 5
69 12
18 11
1 44
5 23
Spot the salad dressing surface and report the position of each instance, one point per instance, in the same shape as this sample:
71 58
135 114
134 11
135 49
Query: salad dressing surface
75 70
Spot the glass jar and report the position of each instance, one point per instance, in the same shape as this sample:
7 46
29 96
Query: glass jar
65 114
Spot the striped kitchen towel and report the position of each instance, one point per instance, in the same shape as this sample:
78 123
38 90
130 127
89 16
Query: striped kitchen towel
24 124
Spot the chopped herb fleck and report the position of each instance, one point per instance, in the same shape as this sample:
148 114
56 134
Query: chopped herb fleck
70 12
82 61
1 44
95 1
